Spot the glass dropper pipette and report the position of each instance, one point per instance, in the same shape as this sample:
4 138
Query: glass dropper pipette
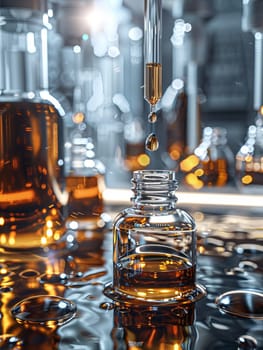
152 62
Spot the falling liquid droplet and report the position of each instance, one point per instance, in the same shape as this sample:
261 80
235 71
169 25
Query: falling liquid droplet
152 143
152 117
246 342
47 311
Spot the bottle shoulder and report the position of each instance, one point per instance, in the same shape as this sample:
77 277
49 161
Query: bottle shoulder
132 218
43 97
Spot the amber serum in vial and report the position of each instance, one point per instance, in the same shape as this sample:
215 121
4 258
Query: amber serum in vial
154 245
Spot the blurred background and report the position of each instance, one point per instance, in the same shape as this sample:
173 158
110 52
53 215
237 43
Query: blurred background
210 109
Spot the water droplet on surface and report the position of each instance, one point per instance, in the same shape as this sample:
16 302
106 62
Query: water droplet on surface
107 306
29 273
246 342
152 143
10 342
241 303
236 271
44 310
5 290
152 117
249 248
59 278
248 265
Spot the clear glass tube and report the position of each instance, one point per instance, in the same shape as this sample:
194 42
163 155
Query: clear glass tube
152 51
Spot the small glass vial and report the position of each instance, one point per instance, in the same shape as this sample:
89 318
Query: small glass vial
249 161
85 184
154 252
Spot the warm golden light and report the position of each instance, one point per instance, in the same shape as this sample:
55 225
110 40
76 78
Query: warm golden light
192 180
189 163
49 233
2 221
78 117
143 160
57 236
43 240
25 196
49 224
247 179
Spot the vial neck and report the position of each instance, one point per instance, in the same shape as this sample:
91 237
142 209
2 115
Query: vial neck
154 189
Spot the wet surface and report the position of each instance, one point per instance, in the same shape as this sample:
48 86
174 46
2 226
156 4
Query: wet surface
70 311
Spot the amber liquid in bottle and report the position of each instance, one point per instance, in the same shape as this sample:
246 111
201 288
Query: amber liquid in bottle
85 197
249 173
30 210
208 173
155 276
176 128
154 271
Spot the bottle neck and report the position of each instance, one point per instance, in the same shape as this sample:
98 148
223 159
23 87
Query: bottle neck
154 189
23 51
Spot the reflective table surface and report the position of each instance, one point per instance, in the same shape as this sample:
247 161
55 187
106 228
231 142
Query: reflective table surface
55 300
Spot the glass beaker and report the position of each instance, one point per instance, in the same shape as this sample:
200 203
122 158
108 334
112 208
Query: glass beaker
31 129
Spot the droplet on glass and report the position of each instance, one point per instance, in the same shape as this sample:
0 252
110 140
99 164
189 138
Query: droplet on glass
246 342
152 143
152 117
10 341
45 310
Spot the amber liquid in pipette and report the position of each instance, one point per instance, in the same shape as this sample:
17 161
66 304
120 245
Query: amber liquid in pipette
153 93
153 82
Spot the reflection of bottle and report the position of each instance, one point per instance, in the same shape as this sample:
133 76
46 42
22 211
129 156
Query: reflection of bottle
85 185
249 160
210 163
174 104
180 103
154 328
154 258
31 147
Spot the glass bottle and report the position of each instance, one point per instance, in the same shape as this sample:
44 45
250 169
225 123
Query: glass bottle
181 101
31 146
249 160
211 163
154 252
85 185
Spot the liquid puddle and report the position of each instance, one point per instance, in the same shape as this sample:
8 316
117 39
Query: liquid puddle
44 310
246 342
241 303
